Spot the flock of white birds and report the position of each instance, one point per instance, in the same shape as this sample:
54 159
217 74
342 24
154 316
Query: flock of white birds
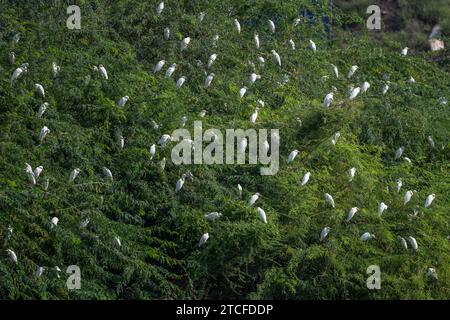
34 174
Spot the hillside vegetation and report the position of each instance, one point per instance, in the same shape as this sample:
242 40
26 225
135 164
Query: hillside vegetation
159 230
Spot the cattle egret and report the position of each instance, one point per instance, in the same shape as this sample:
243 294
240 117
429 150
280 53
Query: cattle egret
335 138
256 38
351 174
354 93
430 141
12 255
75 172
37 171
184 43
159 66
239 188
431 272
170 70
411 80
381 207
399 184
403 242
202 113
242 91
211 59
55 69
39 272
254 77
103 72
399 152
181 81
254 198
329 199
201 16
120 142
160 8
237 25
30 174
180 183
42 109
365 86
40 90
429 200
276 56
12 57
262 214
215 39
335 70
407 160
261 60
407 197
58 270
107 173
305 178
123 101
84 223
165 138
292 43
18 72
209 79
312 45
43 133
166 33
152 151
324 233
352 71
351 213
413 242
162 163
16 38
203 239
117 241
271 26
405 51
254 115
366 236
213 216
54 221
292 155
385 87
328 99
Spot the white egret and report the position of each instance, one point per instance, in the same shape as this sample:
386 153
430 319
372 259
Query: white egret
351 174
12 57
399 152
312 45
120 142
215 39
152 151
181 81
58 270
107 173
117 241
165 138
329 199
201 16
335 70
335 138
413 242
430 141
407 160
324 233
431 273
365 86
262 214
18 72
103 72
429 200
354 93
407 197
239 188
213 216
242 92
43 133
256 38
203 239
184 43
39 272
159 66
254 77
162 163
55 69
237 25
209 79
261 60
254 115
166 33
254 198
292 155
276 56
40 90
403 243
211 59
405 51
381 207
352 71
160 8
37 171
30 173
411 80
123 101
305 178
180 183
328 99
271 26
54 222
12 255
367 236
202 113
399 184
75 172
42 109
385 87
351 213
170 70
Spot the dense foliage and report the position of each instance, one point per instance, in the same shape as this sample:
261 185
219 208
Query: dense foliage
159 229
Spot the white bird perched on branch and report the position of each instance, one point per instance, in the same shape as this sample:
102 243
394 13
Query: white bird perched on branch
312 45
413 242
381 207
367 236
365 86
215 39
160 8
352 71
37 171
55 69
184 43
239 188
166 33
324 233
335 138
351 174
203 239
411 80
351 213
405 51
354 93
256 38
261 60
40 90
209 79
180 82
58 270
329 199
122 102
407 197
170 70
399 152
403 243
399 184
429 200
12 255
107 173
159 66
43 133
183 121
42 109
180 183
39 272
305 178
73 174
328 100
103 72
18 72
54 222
262 214
254 77
292 43
254 198
120 141
237 25
162 163
430 141
213 216
292 155
385 88
201 16
254 115
117 241
431 272
271 26
335 70
212 58
276 56
165 138
242 92
30 174
152 151
12 57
